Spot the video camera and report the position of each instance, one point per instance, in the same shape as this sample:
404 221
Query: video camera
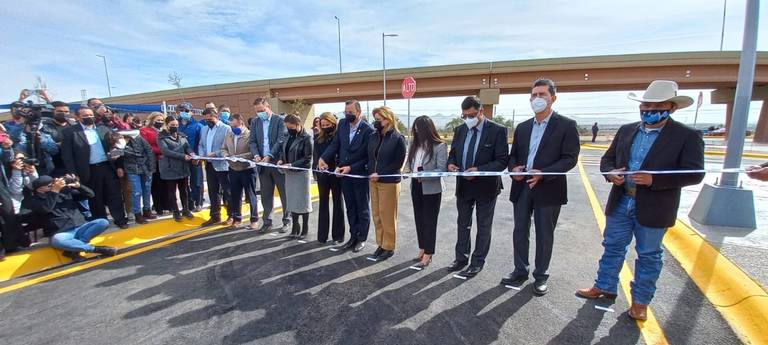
33 114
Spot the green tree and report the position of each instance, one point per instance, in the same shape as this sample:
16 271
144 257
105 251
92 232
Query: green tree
504 122
401 127
450 126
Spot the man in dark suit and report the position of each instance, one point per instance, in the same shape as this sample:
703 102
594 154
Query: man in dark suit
351 146
640 204
267 136
548 142
478 145
85 152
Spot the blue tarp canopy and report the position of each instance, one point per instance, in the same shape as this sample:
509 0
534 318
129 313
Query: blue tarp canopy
133 108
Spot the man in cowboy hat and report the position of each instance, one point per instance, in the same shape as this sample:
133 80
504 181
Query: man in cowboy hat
644 205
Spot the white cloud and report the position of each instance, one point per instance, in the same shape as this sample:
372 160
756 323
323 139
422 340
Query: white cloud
226 41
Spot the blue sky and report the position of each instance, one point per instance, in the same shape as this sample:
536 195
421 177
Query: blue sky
212 42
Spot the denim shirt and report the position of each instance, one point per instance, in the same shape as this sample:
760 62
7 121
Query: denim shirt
641 144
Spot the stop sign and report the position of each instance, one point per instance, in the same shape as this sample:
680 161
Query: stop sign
408 88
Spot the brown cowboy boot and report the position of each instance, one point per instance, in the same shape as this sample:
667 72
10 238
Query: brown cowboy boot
594 293
638 311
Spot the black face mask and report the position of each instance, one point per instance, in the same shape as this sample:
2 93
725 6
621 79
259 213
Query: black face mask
329 131
210 123
350 117
377 124
293 131
60 117
88 121
158 125
173 130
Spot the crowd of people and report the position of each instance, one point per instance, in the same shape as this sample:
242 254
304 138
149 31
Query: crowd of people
64 170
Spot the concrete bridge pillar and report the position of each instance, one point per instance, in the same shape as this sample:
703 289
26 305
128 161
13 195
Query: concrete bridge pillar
726 96
306 111
761 131
489 98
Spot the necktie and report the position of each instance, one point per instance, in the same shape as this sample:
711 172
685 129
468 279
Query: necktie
471 149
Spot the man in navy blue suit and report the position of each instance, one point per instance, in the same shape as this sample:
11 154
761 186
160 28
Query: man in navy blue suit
351 146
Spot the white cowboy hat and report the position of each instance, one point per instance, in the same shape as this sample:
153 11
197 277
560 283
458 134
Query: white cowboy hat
662 91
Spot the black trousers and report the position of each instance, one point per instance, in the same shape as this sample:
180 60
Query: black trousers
545 219
426 208
218 182
159 199
485 210
330 186
11 233
357 198
106 187
182 185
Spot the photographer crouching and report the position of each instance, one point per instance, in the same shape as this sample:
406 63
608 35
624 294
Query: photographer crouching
56 201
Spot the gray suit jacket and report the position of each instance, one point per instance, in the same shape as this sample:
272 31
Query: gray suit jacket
219 133
433 185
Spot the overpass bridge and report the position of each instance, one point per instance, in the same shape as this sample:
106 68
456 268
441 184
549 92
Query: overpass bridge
692 70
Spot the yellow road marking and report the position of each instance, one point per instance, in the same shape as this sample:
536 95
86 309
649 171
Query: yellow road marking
711 153
650 329
41 259
740 299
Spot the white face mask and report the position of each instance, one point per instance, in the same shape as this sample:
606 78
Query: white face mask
471 122
538 105
120 144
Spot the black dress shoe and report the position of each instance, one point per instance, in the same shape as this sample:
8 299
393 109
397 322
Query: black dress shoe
470 272
540 288
177 216
211 222
514 281
350 244
375 255
456 266
386 254
188 214
358 247
74 256
122 225
105 251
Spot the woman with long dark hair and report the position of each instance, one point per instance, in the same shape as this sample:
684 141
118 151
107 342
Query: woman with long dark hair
328 185
428 153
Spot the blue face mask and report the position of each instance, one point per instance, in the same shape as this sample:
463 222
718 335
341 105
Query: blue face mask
185 115
652 117
224 117
263 115
237 130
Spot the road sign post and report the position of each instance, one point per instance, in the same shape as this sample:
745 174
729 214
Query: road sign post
408 89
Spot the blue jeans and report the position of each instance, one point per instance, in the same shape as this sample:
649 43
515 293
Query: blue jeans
195 185
141 187
620 226
77 238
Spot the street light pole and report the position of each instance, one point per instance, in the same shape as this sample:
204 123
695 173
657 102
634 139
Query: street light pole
384 63
722 32
729 204
338 24
106 72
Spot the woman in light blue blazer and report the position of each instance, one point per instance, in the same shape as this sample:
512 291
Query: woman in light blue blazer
428 153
